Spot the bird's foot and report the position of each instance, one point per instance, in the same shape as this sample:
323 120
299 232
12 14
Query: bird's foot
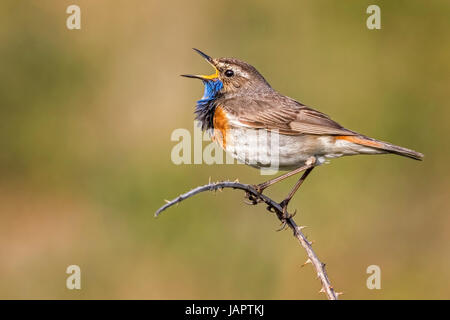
252 199
285 215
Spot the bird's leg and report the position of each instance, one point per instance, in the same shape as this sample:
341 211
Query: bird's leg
309 164
260 187
285 202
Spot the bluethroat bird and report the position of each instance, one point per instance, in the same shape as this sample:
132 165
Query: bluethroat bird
239 103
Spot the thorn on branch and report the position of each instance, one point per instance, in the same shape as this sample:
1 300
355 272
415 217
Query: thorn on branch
307 262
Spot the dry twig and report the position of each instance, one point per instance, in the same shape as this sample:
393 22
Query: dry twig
276 208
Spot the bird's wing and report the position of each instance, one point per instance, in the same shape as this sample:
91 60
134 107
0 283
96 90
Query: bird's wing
276 112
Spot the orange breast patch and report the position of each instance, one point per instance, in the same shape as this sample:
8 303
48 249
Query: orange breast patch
220 123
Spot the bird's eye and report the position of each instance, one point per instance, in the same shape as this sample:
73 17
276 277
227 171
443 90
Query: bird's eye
229 73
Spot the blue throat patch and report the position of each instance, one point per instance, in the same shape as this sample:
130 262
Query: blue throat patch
206 106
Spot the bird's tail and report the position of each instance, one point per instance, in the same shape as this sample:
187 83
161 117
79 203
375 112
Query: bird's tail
382 146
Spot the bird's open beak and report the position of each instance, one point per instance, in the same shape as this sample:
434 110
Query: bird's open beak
203 77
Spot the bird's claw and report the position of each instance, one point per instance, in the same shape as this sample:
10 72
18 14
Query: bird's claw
253 200
283 226
286 216
283 215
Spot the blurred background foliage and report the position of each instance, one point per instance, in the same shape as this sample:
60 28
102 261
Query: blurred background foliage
86 119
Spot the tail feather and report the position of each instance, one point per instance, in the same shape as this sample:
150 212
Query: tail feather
385 146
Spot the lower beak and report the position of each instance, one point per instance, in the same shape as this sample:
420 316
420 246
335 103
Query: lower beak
204 77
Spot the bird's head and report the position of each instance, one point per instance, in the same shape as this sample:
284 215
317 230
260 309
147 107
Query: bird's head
231 76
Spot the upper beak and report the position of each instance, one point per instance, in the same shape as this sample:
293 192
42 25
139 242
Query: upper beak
203 77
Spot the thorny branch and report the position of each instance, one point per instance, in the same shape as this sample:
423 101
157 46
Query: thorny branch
273 206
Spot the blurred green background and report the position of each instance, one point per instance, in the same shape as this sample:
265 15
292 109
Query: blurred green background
86 119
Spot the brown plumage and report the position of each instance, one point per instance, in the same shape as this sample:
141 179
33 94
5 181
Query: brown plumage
239 102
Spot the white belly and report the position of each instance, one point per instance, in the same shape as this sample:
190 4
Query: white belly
261 148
